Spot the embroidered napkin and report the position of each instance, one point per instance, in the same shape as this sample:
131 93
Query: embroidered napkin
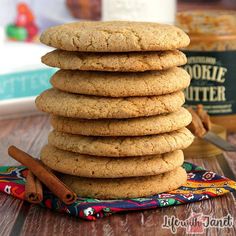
201 185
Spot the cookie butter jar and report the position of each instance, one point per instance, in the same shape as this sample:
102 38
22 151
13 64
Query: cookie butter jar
212 63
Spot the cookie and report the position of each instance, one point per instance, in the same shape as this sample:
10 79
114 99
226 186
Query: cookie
92 107
124 62
108 167
115 36
133 187
109 84
122 146
123 127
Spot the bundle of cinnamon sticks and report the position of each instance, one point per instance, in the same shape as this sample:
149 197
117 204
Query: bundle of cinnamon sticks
33 189
38 173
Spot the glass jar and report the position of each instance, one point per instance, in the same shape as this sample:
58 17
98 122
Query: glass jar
212 63
139 10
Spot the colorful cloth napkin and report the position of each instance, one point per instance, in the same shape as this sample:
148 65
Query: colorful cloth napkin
201 185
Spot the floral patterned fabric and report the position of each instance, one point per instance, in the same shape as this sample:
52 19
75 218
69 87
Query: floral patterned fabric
201 185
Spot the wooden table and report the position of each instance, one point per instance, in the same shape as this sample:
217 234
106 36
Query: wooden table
21 218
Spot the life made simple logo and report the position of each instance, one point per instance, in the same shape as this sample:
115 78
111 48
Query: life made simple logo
196 223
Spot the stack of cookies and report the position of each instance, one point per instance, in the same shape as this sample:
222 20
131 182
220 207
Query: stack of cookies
116 108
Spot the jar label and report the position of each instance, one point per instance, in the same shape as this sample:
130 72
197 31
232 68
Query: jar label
213 81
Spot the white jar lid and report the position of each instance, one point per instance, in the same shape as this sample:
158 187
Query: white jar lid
161 11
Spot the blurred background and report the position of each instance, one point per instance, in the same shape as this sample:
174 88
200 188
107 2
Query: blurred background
48 13
22 76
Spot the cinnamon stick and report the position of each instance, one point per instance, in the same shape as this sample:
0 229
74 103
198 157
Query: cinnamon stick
33 189
57 187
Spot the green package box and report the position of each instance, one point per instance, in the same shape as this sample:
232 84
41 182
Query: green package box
26 83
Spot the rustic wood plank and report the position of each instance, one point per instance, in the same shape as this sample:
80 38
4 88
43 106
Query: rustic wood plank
16 229
6 126
22 132
9 209
139 223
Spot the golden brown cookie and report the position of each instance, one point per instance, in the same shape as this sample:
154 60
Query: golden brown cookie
123 127
108 167
110 84
132 187
124 62
115 36
122 146
92 107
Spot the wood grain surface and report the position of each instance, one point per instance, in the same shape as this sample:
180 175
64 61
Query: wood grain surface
21 218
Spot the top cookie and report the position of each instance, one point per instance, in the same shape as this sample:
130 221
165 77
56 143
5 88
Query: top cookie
115 36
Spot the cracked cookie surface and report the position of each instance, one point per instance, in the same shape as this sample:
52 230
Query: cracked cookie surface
115 36
109 84
123 62
132 187
123 127
92 107
122 146
109 167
